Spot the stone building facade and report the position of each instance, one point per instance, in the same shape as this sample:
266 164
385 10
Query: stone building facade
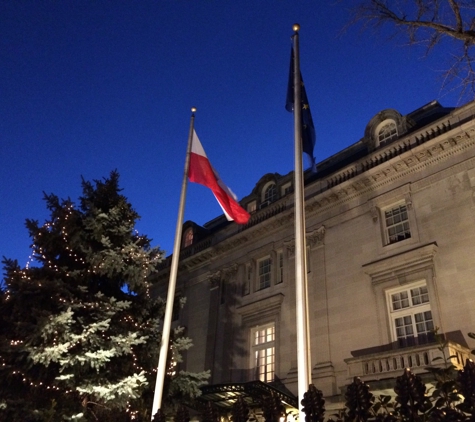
390 226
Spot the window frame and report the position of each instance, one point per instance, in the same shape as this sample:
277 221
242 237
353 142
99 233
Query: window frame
411 310
267 275
251 206
263 354
188 237
286 189
387 201
265 198
382 140
386 227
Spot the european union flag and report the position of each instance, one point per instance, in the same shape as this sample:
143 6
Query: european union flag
308 129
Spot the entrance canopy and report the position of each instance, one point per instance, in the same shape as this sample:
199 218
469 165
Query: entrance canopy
225 395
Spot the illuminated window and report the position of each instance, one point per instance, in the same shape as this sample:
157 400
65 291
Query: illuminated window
387 133
396 223
188 237
410 314
251 206
263 352
265 271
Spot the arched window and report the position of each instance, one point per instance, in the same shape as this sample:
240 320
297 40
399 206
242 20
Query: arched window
387 132
188 238
270 193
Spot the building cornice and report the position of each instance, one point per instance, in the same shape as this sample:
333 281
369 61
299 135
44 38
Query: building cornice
414 153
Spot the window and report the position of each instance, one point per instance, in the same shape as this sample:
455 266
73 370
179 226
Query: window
280 267
396 223
188 238
269 195
286 189
387 133
263 352
251 206
264 268
410 314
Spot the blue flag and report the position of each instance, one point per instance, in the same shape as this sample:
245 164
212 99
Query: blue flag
308 129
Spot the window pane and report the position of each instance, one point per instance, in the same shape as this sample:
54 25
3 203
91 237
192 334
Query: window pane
188 238
387 133
411 315
264 353
419 295
424 323
264 273
270 194
404 327
400 300
397 224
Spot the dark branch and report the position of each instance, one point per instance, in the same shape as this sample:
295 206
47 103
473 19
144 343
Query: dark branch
427 22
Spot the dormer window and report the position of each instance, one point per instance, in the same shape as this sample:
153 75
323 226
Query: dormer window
251 207
385 127
286 189
269 194
387 132
188 238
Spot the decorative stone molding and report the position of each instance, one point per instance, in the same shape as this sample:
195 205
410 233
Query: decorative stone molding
374 214
313 239
290 246
409 154
228 272
402 266
402 124
256 312
231 244
317 237
214 280
224 274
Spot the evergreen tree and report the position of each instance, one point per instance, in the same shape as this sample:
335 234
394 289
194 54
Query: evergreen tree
79 329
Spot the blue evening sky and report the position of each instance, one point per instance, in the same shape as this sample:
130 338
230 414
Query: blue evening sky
91 86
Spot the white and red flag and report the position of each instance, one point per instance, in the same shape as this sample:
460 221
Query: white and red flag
201 171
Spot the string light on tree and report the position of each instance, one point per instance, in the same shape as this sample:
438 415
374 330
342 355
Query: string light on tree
90 321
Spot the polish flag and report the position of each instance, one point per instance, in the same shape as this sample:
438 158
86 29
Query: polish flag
201 171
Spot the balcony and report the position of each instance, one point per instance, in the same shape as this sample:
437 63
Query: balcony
391 363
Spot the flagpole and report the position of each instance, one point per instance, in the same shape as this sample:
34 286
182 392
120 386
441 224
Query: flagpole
164 346
304 372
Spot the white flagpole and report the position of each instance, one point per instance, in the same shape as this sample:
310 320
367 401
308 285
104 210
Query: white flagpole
162 359
304 371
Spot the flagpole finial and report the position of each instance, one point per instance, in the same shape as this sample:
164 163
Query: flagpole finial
296 27
193 109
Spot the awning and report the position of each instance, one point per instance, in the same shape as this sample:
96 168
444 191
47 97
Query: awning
225 395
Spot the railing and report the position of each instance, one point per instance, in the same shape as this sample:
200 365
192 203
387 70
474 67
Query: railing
390 363
265 213
187 252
